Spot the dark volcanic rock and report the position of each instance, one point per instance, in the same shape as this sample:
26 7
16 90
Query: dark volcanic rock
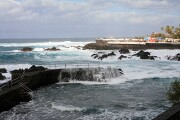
3 70
111 54
176 57
141 53
52 49
65 76
103 56
122 56
36 68
144 55
2 77
151 57
33 68
120 70
92 46
94 56
12 98
99 47
26 49
124 51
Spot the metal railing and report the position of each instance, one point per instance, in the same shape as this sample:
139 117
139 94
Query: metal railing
25 87
16 81
66 66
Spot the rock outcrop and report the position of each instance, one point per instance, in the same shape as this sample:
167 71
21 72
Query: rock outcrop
144 55
122 56
102 55
99 47
176 57
26 49
124 51
103 45
2 77
3 70
111 54
35 68
52 49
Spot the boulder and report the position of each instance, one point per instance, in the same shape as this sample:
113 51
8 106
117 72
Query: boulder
26 49
120 70
3 70
124 51
141 53
111 54
52 49
176 57
2 77
36 68
103 56
93 55
144 56
151 57
122 56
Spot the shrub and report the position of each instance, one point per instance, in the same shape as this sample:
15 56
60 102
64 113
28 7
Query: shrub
173 93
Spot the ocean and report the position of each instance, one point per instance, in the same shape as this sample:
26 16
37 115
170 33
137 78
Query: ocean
139 94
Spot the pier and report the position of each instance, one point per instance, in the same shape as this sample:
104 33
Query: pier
24 82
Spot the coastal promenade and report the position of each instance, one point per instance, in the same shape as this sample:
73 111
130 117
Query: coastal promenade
114 44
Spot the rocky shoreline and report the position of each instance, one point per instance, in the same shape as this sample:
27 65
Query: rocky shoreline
106 46
125 53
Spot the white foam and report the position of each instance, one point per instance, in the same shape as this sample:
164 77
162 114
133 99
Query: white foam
69 108
38 49
84 82
64 43
11 67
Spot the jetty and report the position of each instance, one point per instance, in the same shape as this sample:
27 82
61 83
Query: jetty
24 82
136 44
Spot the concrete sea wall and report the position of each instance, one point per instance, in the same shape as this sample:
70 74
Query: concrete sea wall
13 94
109 45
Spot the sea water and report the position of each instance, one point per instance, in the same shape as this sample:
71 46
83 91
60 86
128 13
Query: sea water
139 94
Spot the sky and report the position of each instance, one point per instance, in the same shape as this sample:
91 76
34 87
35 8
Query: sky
85 18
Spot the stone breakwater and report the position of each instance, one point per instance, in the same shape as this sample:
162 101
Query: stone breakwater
104 45
17 90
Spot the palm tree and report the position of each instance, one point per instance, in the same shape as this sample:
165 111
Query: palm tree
162 28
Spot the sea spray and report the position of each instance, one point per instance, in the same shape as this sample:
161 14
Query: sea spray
89 74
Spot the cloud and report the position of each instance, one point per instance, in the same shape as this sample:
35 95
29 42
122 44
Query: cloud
79 18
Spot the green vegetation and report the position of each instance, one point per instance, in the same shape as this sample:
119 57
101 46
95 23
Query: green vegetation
162 35
171 31
139 37
173 93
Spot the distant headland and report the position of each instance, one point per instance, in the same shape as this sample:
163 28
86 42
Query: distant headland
168 39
